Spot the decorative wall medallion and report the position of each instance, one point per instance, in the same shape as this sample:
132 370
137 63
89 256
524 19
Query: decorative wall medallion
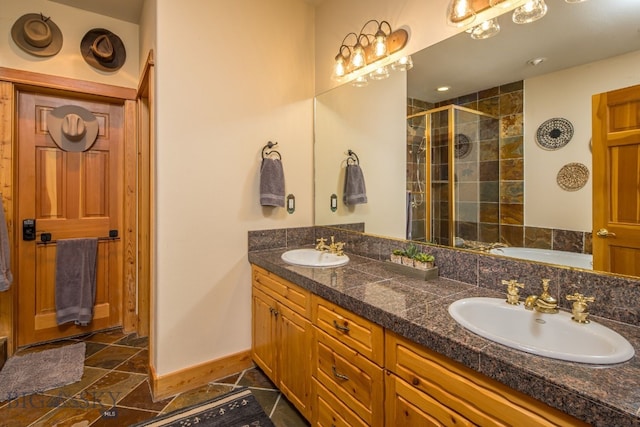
462 146
572 176
554 133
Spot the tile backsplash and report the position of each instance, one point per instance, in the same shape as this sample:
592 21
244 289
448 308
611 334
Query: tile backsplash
616 297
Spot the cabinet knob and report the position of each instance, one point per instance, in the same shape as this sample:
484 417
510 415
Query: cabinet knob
338 374
415 381
341 328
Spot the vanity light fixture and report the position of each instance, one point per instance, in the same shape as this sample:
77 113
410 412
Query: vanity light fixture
531 11
370 54
488 28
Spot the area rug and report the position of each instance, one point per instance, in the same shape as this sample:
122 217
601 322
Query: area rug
40 371
234 409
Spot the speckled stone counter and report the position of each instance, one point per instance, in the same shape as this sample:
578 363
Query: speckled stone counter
416 309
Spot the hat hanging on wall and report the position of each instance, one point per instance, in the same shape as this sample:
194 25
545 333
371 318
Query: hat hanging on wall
103 50
37 34
72 127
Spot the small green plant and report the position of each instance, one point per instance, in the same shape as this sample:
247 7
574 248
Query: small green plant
422 257
411 251
399 252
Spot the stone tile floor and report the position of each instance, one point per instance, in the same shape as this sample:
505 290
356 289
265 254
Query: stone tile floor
114 390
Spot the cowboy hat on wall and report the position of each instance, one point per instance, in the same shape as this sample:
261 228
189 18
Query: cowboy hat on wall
37 35
103 50
72 128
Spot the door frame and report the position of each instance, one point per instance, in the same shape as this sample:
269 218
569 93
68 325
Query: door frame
11 81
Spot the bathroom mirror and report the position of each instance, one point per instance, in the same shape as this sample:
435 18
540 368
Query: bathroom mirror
587 48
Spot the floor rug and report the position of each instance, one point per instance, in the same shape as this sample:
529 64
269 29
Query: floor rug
235 409
40 371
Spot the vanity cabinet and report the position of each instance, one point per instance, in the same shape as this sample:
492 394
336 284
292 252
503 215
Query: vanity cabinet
424 388
348 375
282 336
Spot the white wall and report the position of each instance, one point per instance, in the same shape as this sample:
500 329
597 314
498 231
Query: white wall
74 24
369 134
230 77
566 94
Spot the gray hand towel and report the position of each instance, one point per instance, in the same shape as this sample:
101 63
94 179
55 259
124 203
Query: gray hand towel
355 192
271 182
75 280
5 260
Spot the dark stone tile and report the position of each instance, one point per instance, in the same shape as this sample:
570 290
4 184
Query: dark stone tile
511 103
511 147
512 192
512 170
536 237
198 395
93 347
511 214
489 93
231 379
255 378
511 87
489 191
285 415
267 239
25 410
89 376
111 388
489 233
266 398
106 337
489 105
567 240
110 357
72 412
489 150
511 126
141 398
138 363
489 212
512 235
133 340
489 171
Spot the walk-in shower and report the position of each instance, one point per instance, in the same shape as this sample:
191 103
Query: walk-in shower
453 141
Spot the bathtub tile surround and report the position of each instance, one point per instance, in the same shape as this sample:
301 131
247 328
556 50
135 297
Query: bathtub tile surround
418 310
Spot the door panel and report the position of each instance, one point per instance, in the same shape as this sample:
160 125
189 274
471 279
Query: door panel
71 195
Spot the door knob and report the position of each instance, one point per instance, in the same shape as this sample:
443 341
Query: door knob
603 232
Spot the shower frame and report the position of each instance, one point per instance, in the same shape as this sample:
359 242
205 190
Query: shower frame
451 160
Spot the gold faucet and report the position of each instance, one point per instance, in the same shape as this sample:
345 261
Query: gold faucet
579 308
513 291
334 248
545 303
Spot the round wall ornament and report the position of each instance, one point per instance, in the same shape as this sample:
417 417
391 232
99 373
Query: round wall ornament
462 146
554 133
572 176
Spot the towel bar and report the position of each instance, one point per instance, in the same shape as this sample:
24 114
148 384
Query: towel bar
45 238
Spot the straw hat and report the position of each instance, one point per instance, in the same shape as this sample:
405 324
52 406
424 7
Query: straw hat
72 128
103 50
37 35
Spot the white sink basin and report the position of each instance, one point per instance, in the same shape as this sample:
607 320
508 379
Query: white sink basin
314 258
549 335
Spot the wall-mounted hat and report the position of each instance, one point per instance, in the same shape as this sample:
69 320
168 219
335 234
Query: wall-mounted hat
103 50
72 127
37 34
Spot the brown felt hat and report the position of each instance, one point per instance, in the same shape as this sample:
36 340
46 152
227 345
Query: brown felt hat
72 127
103 50
37 34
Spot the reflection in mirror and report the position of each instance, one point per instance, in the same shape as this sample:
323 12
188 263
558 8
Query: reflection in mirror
506 190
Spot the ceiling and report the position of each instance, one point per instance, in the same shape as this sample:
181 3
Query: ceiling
569 35
124 10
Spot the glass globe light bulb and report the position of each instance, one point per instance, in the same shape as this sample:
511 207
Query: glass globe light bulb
529 12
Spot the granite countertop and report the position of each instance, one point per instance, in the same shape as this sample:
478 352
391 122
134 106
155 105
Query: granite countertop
417 309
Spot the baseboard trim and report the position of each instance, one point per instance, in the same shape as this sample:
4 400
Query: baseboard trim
198 375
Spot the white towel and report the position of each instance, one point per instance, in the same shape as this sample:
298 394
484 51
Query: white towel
355 191
5 260
271 182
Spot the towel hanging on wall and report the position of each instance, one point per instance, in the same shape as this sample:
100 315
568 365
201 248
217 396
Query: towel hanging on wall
271 178
355 191
5 260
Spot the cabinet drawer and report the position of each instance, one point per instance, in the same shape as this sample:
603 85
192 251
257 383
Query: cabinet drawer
409 407
330 411
351 377
354 331
295 297
473 395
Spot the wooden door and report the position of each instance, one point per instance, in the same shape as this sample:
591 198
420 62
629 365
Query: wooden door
263 335
70 195
616 181
294 358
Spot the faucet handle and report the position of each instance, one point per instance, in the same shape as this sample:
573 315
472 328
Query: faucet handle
513 291
579 308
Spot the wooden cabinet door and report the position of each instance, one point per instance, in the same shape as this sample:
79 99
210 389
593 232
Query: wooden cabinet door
616 181
294 359
263 334
70 195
